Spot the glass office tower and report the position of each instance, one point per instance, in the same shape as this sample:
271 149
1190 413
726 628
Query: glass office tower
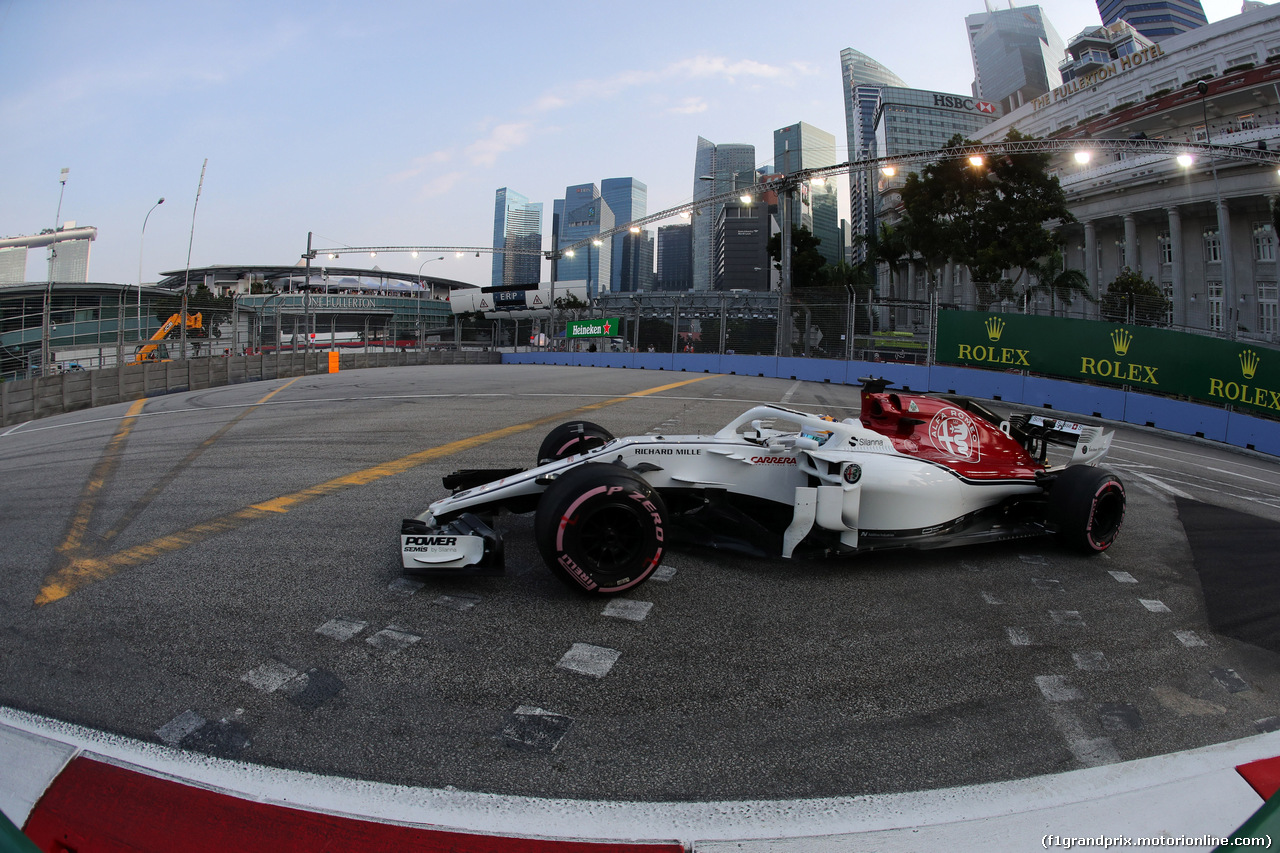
629 200
1155 19
1016 53
862 77
803 146
585 215
717 169
517 224
675 257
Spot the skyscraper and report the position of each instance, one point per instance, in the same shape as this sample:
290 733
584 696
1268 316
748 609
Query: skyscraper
517 224
629 200
675 257
1155 19
636 253
585 216
803 146
717 169
1016 53
862 77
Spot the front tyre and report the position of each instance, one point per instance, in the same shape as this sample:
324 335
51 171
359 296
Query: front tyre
570 439
601 528
1086 507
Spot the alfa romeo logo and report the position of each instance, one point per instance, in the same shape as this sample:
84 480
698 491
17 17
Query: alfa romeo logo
852 474
954 433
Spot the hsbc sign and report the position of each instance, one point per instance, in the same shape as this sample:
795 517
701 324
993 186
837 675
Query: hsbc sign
955 102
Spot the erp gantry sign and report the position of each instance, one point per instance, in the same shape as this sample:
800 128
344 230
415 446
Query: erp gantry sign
1140 358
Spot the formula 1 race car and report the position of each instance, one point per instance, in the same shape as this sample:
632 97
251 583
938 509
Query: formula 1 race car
916 471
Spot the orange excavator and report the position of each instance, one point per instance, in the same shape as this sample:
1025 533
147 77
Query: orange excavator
148 351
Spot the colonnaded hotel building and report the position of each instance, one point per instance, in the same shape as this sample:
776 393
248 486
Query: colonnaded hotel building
1208 240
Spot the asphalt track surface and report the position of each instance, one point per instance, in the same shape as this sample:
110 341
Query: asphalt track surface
218 570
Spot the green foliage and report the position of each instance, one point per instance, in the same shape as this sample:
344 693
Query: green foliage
806 260
1061 284
989 218
570 302
1134 299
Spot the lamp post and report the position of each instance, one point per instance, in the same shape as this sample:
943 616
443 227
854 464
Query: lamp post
141 241
47 323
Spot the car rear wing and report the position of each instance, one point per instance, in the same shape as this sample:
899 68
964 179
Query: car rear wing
1037 432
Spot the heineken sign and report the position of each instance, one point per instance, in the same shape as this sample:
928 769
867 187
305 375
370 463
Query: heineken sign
1143 359
606 327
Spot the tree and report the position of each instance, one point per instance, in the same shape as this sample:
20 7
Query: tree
806 260
988 217
1134 299
1061 284
890 246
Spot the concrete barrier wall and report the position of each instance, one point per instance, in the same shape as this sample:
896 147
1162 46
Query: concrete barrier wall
29 399
1192 419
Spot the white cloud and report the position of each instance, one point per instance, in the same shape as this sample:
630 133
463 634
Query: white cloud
689 106
503 138
693 68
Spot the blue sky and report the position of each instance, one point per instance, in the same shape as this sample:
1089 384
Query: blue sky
393 123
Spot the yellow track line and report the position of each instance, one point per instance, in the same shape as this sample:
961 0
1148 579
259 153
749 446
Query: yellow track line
102 472
83 570
152 493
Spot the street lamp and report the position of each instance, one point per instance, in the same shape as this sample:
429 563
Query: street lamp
141 240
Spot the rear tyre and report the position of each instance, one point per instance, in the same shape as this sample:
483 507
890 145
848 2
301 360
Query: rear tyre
1086 507
570 439
601 528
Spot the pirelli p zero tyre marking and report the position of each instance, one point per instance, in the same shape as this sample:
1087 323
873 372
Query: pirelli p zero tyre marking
570 439
601 528
1087 505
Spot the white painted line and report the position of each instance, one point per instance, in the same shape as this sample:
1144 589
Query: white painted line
1056 688
1162 485
1190 639
405 586
586 659
1018 636
341 629
392 639
270 677
663 574
1154 606
625 608
1049 584
461 602
791 392
1091 661
11 430
1033 559
1123 577
1071 618
179 727
1189 793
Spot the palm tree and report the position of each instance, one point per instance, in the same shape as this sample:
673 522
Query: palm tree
1061 284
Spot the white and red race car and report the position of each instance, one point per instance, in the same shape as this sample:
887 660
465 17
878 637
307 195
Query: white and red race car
915 471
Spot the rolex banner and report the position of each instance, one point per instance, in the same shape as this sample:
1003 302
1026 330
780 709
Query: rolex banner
1159 361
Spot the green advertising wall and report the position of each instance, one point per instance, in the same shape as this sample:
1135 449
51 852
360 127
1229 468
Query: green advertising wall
1143 359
